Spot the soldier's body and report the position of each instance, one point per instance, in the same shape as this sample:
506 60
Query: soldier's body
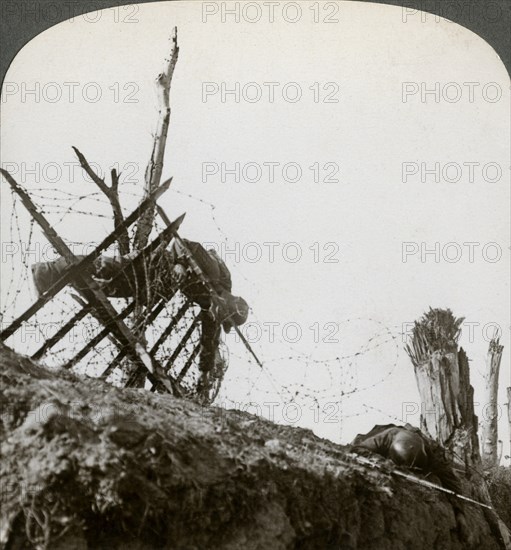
159 276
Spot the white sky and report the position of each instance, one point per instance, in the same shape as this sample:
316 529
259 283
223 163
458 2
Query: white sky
369 133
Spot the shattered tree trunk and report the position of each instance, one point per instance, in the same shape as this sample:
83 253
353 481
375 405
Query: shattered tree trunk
448 406
443 378
489 435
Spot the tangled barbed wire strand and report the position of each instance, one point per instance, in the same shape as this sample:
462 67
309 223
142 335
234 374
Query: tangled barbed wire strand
340 368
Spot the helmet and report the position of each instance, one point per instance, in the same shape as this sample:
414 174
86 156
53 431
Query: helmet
234 310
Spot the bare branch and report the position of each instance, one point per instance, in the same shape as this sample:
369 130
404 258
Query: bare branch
115 180
112 193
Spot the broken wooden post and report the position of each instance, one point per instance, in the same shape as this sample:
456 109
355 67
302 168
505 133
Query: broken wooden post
153 175
489 432
155 166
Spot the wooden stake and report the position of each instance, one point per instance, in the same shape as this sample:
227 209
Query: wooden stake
153 174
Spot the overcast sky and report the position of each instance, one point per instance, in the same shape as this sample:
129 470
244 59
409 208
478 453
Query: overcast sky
345 268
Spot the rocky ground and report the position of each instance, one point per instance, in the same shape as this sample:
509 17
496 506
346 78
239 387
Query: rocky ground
85 465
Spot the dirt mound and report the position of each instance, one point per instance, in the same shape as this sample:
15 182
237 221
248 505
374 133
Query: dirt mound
86 465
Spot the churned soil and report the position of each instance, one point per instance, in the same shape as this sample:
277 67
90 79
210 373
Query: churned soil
86 465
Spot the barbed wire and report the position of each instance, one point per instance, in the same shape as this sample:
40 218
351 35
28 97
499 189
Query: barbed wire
339 371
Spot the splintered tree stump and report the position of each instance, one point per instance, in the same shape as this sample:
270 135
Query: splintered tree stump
443 378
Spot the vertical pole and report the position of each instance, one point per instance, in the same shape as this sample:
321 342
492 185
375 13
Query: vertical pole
489 432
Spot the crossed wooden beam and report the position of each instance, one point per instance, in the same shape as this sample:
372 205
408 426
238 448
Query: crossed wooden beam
96 302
